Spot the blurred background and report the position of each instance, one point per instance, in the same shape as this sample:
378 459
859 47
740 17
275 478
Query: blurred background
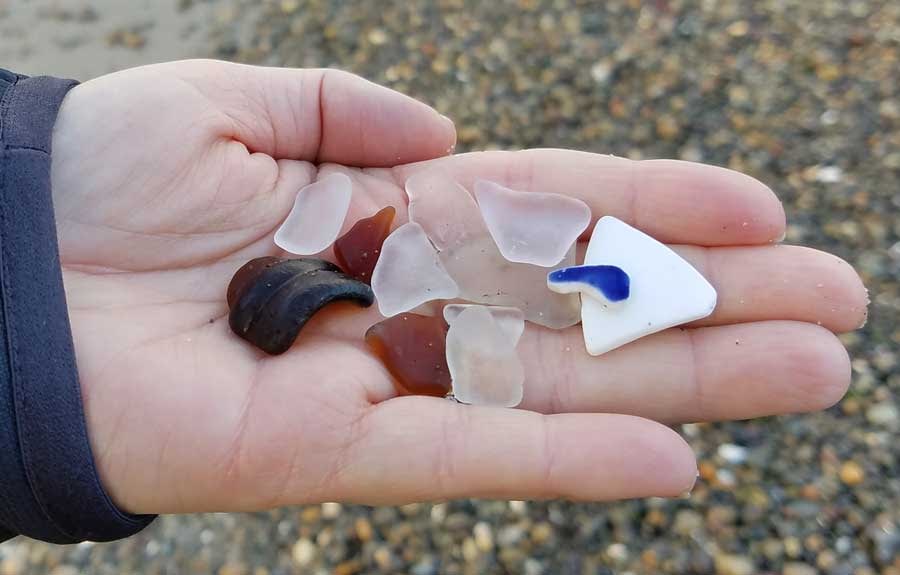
802 94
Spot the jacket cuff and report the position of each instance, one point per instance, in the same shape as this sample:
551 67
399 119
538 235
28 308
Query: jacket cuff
49 486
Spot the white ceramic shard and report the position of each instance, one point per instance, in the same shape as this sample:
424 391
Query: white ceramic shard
484 366
452 220
317 216
531 227
510 319
409 272
665 289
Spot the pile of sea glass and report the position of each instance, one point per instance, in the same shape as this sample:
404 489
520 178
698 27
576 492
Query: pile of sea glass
493 259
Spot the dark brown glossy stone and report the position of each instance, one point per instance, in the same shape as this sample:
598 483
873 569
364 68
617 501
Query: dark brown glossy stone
412 347
357 251
271 299
245 276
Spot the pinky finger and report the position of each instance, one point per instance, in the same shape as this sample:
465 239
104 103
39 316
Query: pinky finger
425 449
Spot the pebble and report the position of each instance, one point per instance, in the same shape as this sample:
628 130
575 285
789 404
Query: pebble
304 552
734 565
794 568
884 415
852 473
687 522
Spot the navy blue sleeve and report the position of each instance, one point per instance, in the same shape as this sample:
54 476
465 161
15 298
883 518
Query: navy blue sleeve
49 485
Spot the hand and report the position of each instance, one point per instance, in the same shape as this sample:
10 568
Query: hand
168 178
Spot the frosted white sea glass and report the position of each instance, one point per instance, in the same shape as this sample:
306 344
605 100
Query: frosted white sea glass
531 227
484 366
409 272
317 216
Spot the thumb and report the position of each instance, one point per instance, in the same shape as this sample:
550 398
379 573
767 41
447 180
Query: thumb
321 115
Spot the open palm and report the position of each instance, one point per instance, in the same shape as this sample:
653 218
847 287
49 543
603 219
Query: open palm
169 178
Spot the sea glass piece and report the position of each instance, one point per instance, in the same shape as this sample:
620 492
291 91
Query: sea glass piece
486 277
317 216
608 283
444 209
531 227
665 289
409 272
357 251
452 220
484 366
510 319
412 348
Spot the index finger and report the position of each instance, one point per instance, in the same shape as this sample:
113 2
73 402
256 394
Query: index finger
673 201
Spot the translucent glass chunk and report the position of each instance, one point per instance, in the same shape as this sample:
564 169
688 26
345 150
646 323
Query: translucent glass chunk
665 289
357 251
452 220
409 272
317 216
484 366
510 319
412 348
531 227
444 209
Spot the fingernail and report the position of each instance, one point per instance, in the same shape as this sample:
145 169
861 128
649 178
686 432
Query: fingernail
687 494
452 128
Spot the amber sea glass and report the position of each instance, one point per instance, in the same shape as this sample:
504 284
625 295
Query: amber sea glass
357 251
412 347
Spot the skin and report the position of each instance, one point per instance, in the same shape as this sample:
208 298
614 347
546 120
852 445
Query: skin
168 178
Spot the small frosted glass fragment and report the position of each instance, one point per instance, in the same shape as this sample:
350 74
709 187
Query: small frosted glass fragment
357 251
317 216
531 227
412 348
609 283
452 220
484 366
444 209
485 276
510 319
665 289
409 272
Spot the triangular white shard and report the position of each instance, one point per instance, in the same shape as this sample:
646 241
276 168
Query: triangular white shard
409 272
510 319
317 216
531 227
665 289
484 366
451 218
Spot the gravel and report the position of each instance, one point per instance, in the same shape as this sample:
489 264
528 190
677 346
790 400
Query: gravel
802 95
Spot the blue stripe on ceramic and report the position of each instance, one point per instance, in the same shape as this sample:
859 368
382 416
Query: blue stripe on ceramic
611 281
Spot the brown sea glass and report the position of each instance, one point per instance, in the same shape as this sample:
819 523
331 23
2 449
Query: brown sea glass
412 347
357 251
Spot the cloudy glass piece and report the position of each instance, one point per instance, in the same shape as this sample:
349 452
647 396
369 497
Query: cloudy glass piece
409 272
665 289
317 216
453 222
485 276
444 209
484 366
510 319
531 227
608 283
